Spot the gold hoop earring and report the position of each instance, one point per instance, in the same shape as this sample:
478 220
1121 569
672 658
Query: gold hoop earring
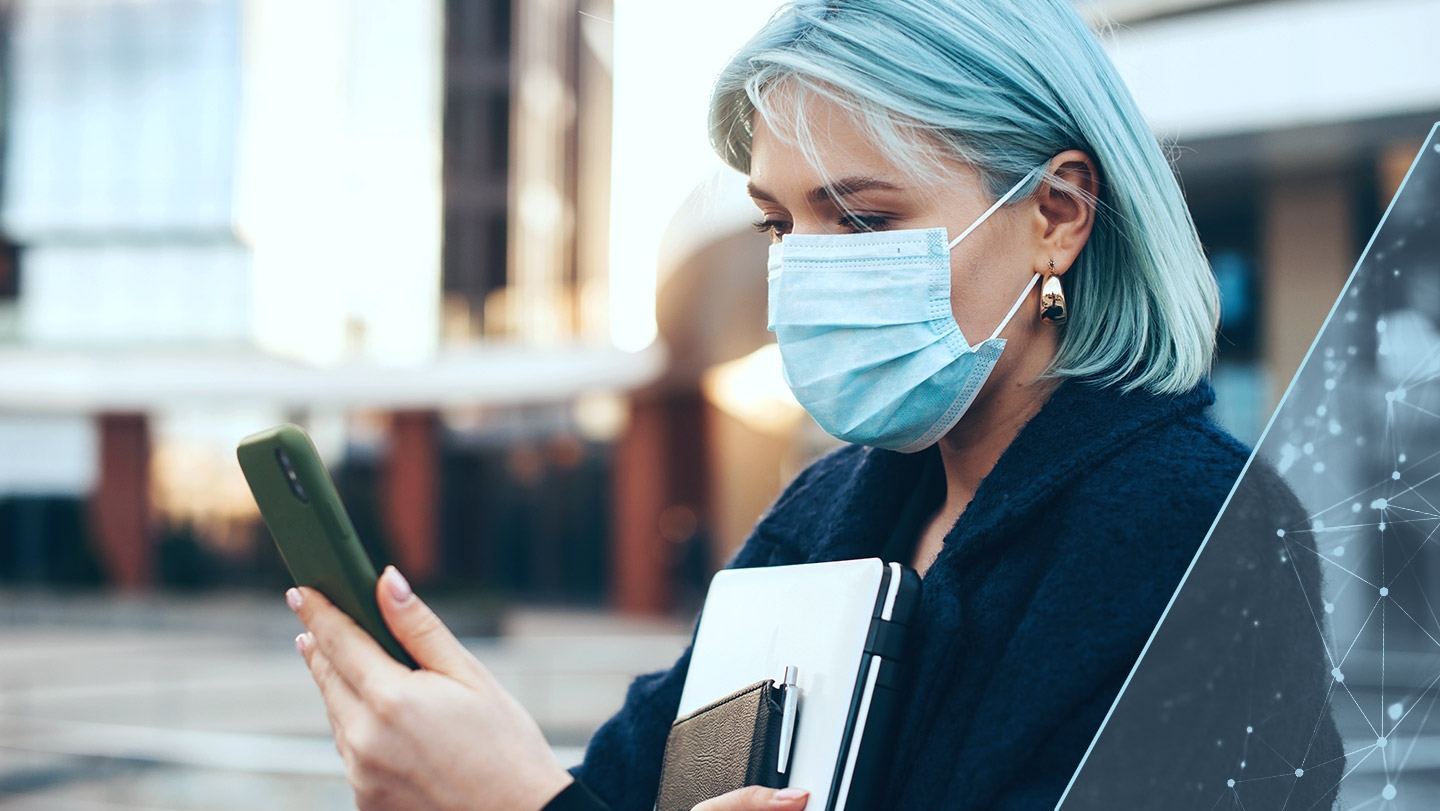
1052 299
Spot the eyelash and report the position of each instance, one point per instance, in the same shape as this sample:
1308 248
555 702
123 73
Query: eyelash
856 222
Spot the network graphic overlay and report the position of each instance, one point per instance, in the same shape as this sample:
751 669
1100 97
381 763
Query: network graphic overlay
1298 666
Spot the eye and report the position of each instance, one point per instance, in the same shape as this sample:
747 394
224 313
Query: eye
773 228
864 222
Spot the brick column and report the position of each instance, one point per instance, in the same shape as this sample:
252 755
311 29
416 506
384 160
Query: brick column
661 463
1308 251
410 493
120 505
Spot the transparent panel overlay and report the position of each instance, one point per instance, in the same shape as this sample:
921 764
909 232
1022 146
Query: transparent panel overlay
1298 666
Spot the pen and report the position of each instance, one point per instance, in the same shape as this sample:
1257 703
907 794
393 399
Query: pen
791 697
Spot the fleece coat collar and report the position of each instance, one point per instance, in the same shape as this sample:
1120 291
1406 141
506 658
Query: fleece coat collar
1031 616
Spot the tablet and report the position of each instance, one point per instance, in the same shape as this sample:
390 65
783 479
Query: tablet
842 624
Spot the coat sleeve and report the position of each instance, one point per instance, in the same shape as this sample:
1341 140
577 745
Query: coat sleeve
622 760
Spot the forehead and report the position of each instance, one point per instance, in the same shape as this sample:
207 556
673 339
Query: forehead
794 137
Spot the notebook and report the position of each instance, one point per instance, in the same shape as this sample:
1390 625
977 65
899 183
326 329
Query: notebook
842 625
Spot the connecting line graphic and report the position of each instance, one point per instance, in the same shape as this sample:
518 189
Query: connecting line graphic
1398 501
1297 668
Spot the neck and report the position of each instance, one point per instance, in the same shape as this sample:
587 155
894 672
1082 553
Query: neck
971 449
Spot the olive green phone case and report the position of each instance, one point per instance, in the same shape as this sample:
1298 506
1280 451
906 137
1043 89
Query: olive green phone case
299 503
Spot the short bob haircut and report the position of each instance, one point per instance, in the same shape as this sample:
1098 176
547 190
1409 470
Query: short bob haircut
1003 86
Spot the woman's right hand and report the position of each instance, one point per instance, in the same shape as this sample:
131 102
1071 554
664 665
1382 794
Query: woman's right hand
756 798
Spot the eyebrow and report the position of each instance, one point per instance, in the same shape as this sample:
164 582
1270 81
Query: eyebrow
831 191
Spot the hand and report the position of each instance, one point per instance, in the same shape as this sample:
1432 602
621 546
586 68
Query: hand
445 737
755 798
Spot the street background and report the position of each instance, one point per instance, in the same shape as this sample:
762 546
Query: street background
481 250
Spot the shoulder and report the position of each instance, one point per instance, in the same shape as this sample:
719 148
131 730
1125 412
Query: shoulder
1179 470
839 471
806 508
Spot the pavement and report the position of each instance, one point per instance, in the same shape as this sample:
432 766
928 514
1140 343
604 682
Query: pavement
201 703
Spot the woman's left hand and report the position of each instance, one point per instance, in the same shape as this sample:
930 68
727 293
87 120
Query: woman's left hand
445 737
756 798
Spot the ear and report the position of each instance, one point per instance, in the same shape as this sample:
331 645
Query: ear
1065 211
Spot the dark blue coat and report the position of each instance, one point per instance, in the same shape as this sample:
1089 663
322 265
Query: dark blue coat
1033 613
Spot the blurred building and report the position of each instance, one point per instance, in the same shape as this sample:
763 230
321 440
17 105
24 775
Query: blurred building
385 221
396 223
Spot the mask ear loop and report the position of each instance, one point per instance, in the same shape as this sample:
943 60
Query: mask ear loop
1004 198
1026 294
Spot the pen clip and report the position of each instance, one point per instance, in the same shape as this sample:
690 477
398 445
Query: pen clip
790 696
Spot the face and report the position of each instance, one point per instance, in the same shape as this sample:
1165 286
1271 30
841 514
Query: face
866 192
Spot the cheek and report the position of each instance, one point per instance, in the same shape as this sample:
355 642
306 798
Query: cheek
975 291
985 279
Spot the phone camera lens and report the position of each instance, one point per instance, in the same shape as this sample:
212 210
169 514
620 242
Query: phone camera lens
290 475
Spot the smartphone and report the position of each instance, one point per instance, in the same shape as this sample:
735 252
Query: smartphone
302 509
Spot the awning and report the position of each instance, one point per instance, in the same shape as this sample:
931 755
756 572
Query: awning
52 380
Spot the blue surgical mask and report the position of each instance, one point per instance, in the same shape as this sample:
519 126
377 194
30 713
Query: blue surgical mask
867 339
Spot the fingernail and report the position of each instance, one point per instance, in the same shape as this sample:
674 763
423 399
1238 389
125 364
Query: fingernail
293 599
300 643
397 584
786 795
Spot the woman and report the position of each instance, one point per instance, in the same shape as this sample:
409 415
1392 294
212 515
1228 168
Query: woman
1051 494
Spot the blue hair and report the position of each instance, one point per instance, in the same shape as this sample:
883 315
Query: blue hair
1003 86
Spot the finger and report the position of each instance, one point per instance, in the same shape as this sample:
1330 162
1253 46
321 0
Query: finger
757 798
341 702
322 672
352 652
422 633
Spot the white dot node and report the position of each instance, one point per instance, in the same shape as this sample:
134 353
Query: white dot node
1355 508
1242 764
1401 460
1329 351
1309 448
1279 533
1255 623
1400 394
1319 467
1329 384
1382 742
1317 524
1299 772
1395 711
1339 551
1388 792
1395 475
1329 608
1379 504
1389 396
1249 730
1382 526
1379 324
1340 677
1230 782
1384 592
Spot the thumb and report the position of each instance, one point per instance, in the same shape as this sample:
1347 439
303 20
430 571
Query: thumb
756 798
420 632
